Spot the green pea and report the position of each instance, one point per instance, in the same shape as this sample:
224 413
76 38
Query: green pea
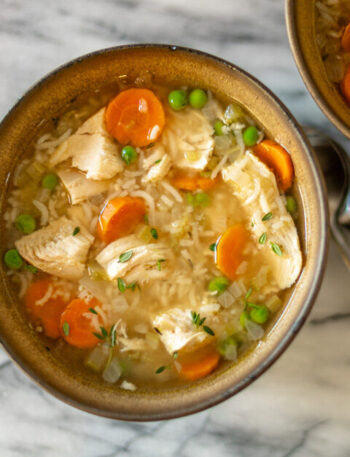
218 128
25 223
129 154
49 181
202 199
177 99
291 205
12 259
218 284
243 318
198 98
250 135
259 314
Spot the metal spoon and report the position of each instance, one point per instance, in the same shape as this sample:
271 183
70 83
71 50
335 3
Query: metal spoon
335 165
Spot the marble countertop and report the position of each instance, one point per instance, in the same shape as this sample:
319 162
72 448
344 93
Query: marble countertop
300 407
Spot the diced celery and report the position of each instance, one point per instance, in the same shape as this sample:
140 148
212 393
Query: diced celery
232 113
273 303
35 170
97 358
113 371
143 232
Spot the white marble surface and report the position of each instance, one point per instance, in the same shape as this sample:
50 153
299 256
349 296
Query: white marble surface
300 407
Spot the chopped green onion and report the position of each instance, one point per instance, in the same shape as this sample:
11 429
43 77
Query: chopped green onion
263 237
154 233
76 231
121 285
159 264
276 249
65 328
267 217
125 256
25 223
12 259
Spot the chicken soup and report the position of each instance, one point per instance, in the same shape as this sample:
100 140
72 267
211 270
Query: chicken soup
151 236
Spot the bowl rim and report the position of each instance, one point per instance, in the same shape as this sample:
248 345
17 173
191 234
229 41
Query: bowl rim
304 71
318 272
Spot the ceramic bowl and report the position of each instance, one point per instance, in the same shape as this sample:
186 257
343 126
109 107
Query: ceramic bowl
300 19
175 66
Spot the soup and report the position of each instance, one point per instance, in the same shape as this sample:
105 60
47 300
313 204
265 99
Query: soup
151 235
333 40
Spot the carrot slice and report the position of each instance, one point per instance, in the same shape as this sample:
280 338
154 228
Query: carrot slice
119 217
345 85
47 314
192 183
229 250
345 41
278 160
135 116
76 327
200 366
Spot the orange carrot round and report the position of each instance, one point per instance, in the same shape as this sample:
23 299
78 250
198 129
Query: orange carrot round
278 160
200 366
229 250
47 314
192 183
119 217
135 116
345 85
76 328
345 41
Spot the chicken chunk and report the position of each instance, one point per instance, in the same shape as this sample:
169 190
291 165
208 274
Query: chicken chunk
79 187
188 138
159 170
147 261
55 250
177 330
255 187
91 149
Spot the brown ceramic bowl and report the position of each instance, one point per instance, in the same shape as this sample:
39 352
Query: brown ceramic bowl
176 66
300 19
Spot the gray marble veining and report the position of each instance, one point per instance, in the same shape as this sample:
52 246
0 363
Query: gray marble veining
300 407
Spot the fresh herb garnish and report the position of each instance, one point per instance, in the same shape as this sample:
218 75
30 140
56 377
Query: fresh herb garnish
76 231
113 336
208 330
132 286
104 332
154 233
98 335
157 161
93 311
175 355
158 331
267 217
161 369
263 238
65 328
198 321
249 293
125 256
159 264
212 247
121 285
276 249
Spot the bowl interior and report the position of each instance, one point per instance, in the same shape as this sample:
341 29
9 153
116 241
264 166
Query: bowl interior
173 66
300 18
